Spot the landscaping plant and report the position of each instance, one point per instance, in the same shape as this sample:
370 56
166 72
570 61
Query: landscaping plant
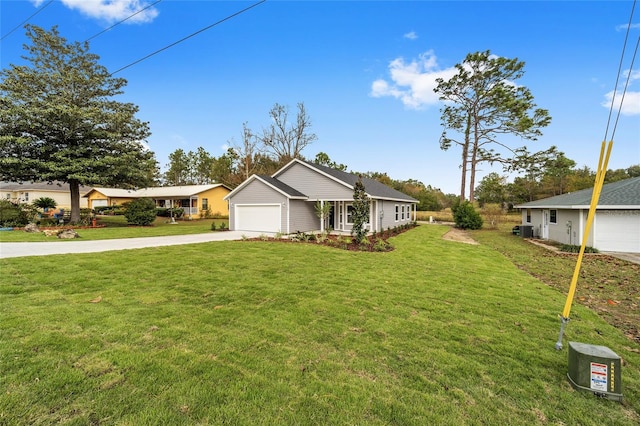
141 212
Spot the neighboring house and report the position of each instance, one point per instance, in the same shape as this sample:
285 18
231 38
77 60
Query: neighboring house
26 193
286 201
196 200
616 224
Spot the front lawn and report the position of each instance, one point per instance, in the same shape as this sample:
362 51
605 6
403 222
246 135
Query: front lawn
253 332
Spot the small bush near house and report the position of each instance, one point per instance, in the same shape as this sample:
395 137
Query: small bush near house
570 248
466 216
140 212
167 212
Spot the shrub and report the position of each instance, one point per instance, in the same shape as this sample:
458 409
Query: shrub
570 248
166 212
141 211
101 209
223 226
466 216
12 214
213 226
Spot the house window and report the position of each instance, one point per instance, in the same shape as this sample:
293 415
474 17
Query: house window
397 212
553 216
205 204
402 213
528 215
26 197
349 213
8 195
408 211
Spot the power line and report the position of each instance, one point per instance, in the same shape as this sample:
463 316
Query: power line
26 20
189 36
120 22
625 88
615 88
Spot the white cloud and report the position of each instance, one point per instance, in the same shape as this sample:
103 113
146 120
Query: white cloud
413 82
631 101
111 10
623 27
630 105
411 35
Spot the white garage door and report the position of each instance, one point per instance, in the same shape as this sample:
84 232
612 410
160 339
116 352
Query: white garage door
262 218
618 231
98 203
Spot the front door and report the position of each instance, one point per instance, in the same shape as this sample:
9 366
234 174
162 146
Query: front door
545 224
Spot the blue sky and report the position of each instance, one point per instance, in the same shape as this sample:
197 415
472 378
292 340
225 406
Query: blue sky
364 70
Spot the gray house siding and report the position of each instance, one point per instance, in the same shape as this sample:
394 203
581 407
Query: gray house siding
302 216
389 219
313 184
254 193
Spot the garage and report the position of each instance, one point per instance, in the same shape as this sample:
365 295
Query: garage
618 230
98 203
258 217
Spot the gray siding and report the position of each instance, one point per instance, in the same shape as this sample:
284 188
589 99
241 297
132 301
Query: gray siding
302 216
314 185
389 218
257 192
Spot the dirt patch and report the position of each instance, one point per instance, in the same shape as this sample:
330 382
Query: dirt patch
459 235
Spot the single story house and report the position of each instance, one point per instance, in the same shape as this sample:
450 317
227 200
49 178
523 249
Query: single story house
24 193
288 201
616 224
196 200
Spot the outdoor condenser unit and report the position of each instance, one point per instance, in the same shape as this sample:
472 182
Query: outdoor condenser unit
595 369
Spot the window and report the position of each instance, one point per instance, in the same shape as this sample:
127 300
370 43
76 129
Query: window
26 197
205 204
402 213
349 213
528 215
8 195
553 216
397 212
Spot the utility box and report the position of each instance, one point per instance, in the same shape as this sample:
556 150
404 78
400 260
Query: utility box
526 231
595 369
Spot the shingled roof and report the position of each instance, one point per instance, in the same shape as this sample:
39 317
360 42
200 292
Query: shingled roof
624 194
372 187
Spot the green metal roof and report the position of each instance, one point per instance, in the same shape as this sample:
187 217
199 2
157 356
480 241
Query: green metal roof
624 194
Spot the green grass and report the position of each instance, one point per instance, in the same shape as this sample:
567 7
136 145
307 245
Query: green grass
251 332
116 227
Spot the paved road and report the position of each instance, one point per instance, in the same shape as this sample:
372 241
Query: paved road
64 247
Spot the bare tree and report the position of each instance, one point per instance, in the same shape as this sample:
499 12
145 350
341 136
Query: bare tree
246 151
287 140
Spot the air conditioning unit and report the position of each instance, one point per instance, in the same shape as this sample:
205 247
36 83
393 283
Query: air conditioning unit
595 369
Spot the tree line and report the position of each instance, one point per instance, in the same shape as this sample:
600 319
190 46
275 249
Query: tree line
60 121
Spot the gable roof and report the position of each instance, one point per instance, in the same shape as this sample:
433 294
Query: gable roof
624 194
157 192
373 188
272 182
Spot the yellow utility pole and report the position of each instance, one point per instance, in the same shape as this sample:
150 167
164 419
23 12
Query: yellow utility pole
595 196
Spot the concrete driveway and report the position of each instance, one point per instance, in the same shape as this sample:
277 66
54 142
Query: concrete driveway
8 250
